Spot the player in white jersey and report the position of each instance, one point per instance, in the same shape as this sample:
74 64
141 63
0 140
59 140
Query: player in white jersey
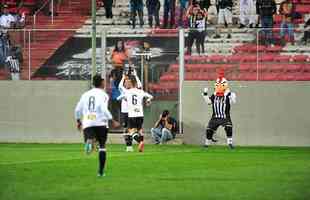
92 115
135 100
124 86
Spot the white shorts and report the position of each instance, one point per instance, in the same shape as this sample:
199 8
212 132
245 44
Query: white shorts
225 15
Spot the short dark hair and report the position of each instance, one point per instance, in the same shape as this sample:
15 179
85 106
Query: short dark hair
165 113
97 80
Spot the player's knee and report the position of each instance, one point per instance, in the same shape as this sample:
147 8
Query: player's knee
209 133
229 131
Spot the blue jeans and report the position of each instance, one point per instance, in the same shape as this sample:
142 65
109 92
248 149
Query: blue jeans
267 25
161 135
287 28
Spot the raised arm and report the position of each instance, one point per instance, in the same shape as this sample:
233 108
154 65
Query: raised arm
206 96
233 98
121 84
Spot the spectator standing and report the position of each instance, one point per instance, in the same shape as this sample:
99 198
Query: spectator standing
164 129
169 11
287 11
193 34
108 5
153 7
306 36
224 16
4 47
266 9
136 7
212 13
183 7
201 28
7 20
247 13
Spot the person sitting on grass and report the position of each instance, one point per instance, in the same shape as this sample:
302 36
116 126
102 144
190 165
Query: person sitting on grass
164 129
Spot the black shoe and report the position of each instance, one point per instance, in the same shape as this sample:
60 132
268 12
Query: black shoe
206 146
241 26
251 26
229 36
231 146
217 36
214 140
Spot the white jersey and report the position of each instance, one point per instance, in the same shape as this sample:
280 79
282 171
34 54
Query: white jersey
135 97
92 109
123 90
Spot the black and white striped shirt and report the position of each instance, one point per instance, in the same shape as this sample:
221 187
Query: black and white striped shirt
221 106
13 64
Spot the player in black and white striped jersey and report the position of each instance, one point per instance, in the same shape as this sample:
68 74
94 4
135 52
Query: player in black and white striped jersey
221 102
14 66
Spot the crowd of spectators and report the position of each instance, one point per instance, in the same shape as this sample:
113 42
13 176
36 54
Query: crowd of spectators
219 13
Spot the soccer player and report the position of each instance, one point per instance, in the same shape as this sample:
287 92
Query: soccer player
135 100
92 114
124 86
221 102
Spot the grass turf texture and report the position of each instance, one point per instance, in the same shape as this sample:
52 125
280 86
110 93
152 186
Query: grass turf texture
50 171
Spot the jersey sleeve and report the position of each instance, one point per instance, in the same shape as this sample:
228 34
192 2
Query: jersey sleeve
148 96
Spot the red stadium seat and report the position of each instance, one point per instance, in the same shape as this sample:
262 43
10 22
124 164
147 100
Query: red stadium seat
282 58
247 76
300 58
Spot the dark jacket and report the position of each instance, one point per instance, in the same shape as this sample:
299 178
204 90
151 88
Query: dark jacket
266 7
222 4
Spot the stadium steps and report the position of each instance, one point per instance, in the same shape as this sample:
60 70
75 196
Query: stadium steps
43 44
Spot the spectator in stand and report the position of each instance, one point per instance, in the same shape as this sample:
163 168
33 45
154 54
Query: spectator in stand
183 7
224 16
203 4
4 47
247 13
153 7
287 11
306 38
169 11
201 28
212 13
119 57
115 104
266 9
108 4
136 6
7 20
193 34
164 129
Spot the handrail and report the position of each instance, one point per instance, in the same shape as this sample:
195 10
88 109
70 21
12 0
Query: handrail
40 9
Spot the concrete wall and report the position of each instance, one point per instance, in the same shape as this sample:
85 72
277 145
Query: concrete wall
266 113
39 111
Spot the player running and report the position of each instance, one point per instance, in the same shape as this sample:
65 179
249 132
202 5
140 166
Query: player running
135 100
92 115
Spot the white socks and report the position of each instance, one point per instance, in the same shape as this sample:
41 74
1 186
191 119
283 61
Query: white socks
129 149
229 140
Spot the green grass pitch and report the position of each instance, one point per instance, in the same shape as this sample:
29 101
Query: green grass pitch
54 172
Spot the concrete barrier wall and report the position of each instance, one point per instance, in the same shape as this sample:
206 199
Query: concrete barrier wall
39 111
266 113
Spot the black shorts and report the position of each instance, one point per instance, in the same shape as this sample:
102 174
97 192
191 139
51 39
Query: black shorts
124 117
214 123
100 133
135 122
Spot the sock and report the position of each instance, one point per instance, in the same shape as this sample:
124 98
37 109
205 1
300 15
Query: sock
208 142
229 140
129 149
141 138
136 137
102 159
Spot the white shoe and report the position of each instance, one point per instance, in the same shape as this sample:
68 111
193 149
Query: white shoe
129 149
